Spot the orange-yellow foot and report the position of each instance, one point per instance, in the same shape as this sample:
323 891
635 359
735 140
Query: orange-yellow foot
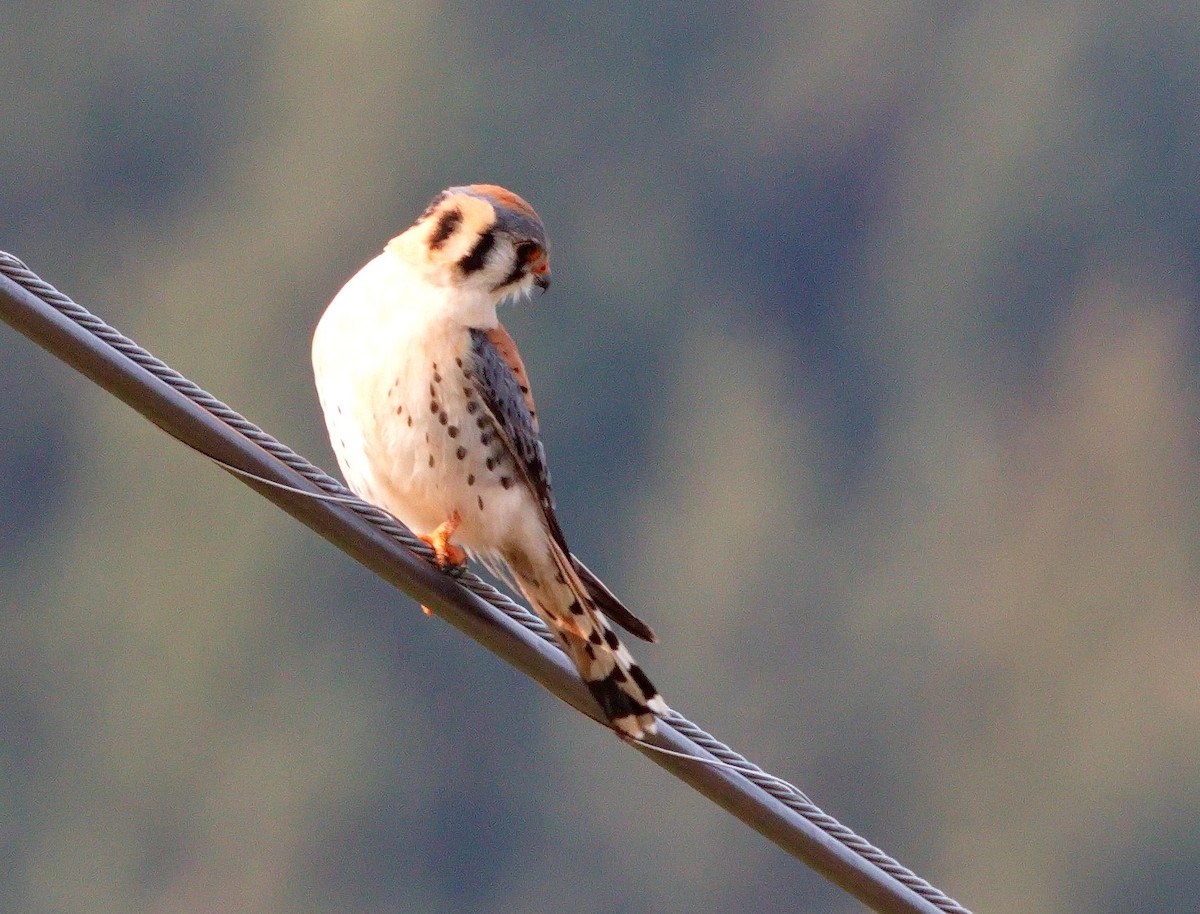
445 553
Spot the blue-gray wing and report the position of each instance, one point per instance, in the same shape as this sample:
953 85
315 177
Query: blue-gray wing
508 410
507 404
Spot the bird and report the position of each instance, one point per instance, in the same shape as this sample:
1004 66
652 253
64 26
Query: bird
430 416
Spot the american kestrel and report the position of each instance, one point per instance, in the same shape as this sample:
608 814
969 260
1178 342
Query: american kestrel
430 416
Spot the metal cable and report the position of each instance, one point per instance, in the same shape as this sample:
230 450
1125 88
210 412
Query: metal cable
777 788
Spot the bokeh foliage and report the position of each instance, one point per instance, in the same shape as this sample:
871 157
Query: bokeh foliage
868 375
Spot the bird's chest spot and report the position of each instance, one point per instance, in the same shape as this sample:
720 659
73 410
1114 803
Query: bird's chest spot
445 451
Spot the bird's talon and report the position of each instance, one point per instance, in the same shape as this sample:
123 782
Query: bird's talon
449 558
445 553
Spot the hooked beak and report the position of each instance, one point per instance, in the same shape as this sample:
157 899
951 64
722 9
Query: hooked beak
539 266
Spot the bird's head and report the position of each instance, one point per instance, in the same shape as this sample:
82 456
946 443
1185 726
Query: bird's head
480 239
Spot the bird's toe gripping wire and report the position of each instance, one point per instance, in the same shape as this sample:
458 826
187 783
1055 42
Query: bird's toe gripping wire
447 556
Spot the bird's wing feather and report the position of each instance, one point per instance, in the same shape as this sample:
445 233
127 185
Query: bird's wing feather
500 378
506 346
506 402
607 602
569 598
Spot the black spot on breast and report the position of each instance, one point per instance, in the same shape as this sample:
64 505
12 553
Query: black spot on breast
576 608
452 431
458 362
491 464
594 637
472 406
443 418
481 422
447 222
505 482
611 639
591 651
433 390
410 421
475 260
485 439
470 479
480 500
461 453
431 460
399 410
437 378
433 406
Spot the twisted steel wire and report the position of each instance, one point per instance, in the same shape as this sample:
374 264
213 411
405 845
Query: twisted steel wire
781 790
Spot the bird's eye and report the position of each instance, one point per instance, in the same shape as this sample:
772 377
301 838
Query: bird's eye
526 251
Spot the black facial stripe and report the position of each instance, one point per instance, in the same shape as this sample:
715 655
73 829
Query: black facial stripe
475 260
517 272
447 223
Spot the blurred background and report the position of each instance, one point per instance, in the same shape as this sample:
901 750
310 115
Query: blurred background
869 377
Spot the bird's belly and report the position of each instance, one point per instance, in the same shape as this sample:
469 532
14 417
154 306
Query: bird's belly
433 474
430 451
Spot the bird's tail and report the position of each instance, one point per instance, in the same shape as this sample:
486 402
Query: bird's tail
625 694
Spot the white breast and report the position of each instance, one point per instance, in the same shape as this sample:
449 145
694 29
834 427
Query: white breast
401 428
